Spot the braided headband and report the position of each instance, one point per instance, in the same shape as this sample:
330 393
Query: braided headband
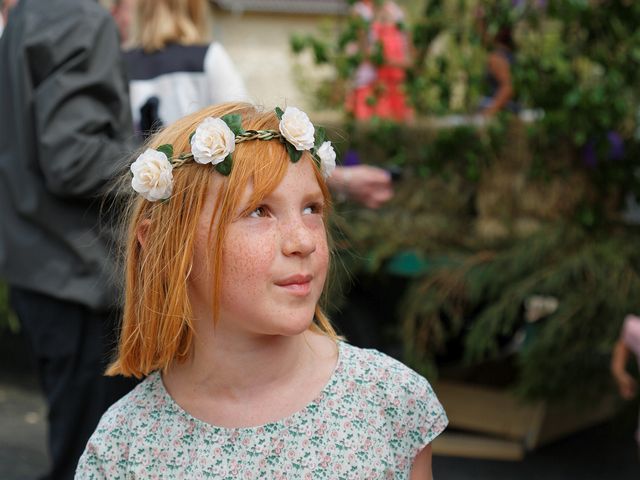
214 142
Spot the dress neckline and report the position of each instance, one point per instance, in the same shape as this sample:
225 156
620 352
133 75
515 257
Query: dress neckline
312 405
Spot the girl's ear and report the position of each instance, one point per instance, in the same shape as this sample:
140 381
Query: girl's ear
142 231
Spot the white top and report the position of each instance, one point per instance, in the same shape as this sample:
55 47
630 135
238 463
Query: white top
183 92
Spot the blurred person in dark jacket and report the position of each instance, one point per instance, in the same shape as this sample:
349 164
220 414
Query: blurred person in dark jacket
65 121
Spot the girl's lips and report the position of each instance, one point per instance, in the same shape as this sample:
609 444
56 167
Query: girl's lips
300 289
296 284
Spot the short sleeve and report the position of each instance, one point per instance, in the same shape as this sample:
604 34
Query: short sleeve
425 417
412 413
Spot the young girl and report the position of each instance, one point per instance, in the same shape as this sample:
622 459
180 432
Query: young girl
227 256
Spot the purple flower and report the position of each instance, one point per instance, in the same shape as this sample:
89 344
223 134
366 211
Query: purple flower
616 146
351 158
615 150
589 156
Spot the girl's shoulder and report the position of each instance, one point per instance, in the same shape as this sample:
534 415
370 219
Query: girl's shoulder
128 417
131 417
384 377
394 398
144 397
373 366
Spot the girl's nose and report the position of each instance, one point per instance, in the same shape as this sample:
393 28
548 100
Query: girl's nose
297 238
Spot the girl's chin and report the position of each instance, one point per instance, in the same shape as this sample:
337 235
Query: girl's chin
294 329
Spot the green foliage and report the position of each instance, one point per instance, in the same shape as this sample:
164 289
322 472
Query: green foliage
596 279
476 295
447 75
234 122
224 167
470 289
577 66
167 149
581 66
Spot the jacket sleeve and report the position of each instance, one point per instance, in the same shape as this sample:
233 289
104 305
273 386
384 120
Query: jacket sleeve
81 110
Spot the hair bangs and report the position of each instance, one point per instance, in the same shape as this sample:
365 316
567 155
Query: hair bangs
263 165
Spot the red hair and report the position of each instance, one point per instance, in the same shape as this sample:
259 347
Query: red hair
157 326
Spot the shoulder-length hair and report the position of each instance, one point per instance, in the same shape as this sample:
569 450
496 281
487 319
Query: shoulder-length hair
162 22
157 327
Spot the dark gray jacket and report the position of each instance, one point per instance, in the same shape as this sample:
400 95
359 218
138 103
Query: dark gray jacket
64 124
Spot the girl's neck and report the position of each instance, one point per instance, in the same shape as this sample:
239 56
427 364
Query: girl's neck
253 383
245 366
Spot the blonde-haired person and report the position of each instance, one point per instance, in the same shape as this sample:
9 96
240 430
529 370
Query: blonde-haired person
173 68
173 72
226 262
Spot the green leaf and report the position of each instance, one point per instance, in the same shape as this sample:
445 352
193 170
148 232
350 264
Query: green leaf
167 149
234 122
321 136
191 136
294 154
320 52
279 113
224 167
298 43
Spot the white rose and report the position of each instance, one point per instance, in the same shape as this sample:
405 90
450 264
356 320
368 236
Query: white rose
212 142
327 159
296 127
152 175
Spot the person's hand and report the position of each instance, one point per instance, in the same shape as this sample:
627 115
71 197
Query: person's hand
365 184
627 385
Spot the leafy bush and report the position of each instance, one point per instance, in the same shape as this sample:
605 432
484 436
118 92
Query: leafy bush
493 216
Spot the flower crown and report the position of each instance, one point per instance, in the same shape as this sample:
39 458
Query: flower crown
214 141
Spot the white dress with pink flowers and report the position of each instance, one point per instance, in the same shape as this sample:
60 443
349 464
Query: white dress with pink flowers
370 421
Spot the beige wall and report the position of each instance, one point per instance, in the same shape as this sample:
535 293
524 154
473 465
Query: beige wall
259 46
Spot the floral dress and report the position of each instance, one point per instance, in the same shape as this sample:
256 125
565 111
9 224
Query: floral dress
370 421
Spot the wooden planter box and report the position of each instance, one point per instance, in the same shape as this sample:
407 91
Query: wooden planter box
493 424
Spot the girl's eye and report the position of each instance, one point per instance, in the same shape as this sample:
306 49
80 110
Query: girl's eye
313 208
259 212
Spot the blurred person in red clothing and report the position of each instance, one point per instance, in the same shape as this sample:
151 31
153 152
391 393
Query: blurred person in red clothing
386 51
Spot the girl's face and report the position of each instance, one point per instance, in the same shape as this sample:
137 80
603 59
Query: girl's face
275 259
